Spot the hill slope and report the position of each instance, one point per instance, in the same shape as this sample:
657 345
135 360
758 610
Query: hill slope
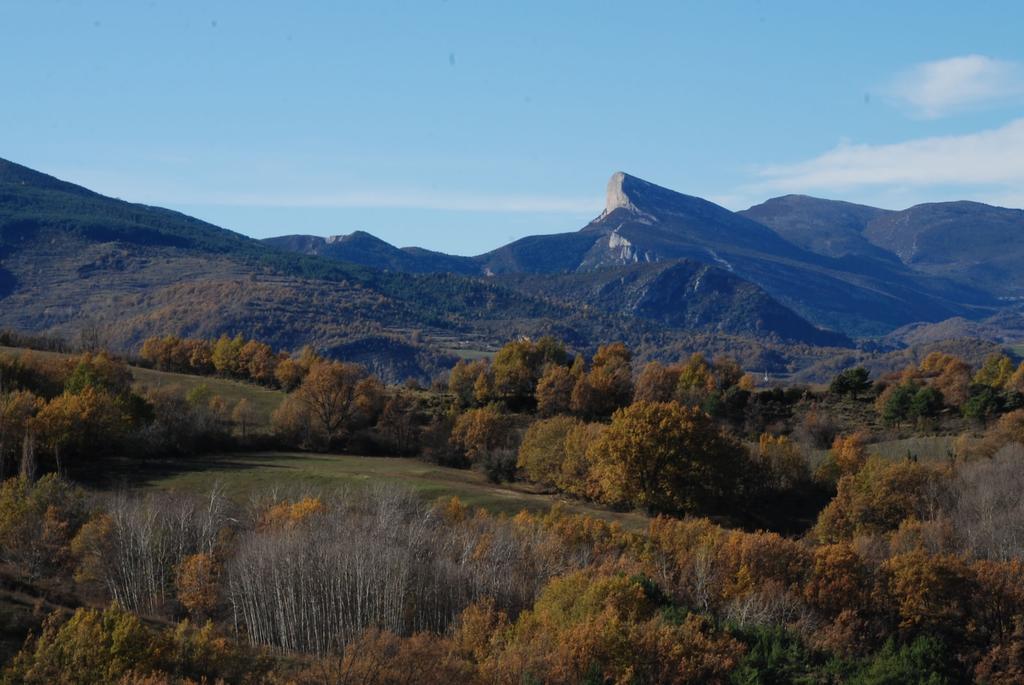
362 248
973 244
826 227
71 258
683 295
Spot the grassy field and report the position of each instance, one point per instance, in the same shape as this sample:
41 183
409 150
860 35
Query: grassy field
18 351
932 448
241 475
264 400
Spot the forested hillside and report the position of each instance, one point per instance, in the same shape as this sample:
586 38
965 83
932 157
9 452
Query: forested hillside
865 532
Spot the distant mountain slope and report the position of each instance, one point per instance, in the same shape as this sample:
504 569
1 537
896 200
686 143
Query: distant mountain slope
71 258
643 222
664 271
861 288
1005 327
362 248
826 227
683 294
974 243
850 295
539 254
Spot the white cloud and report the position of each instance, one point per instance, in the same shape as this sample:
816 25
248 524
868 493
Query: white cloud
935 89
985 164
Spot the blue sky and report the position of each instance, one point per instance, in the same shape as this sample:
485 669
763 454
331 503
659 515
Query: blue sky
460 125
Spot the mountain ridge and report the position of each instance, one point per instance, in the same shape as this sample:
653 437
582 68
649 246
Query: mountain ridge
72 259
857 287
966 242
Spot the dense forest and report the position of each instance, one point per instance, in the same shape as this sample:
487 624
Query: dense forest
810 534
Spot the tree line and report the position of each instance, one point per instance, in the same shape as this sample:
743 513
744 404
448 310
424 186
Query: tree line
906 577
695 436
231 357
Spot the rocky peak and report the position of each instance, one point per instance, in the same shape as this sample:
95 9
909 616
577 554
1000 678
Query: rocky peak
620 194
615 195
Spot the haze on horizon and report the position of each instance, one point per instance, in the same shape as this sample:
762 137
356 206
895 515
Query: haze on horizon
459 128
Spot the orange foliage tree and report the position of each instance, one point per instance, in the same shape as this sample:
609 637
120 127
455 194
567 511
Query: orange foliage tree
665 457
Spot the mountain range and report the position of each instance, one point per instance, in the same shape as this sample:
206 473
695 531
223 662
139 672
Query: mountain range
858 270
656 268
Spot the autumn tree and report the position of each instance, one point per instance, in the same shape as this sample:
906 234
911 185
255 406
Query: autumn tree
334 393
257 362
91 647
227 355
607 386
483 387
462 379
17 409
397 424
554 390
199 354
184 355
289 373
577 477
840 579
695 381
156 352
89 421
588 627
878 497
518 366
951 376
782 461
369 402
479 431
196 581
114 646
244 416
1009 429
542 451
995 372
667 458
515 371
293 424
37 520
657 383
100 372
290 515
849 453
931 593
380 657
727 372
